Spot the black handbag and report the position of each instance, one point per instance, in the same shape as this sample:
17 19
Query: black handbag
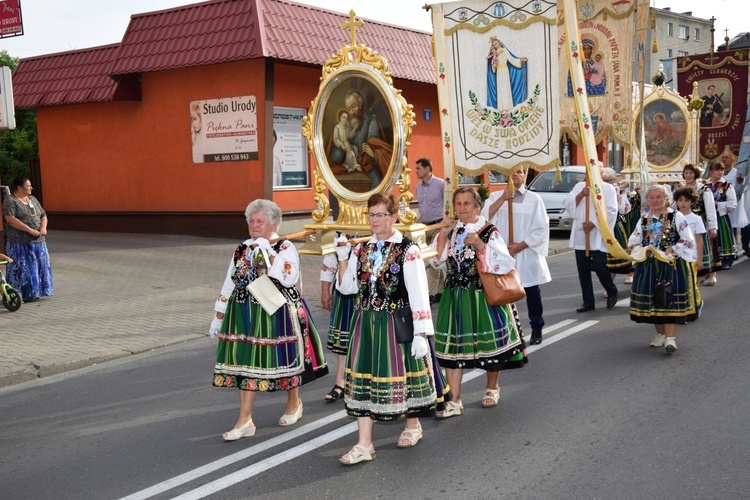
404 322
663 294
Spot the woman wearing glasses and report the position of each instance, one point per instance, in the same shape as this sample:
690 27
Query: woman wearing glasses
30 272
470 333
386 380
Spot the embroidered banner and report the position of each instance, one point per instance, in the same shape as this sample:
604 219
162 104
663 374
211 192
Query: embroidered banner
723 86
497 84
607 34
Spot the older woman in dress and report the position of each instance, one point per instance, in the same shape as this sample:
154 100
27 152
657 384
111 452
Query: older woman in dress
471 333
26 228
662 246
262 351
386 379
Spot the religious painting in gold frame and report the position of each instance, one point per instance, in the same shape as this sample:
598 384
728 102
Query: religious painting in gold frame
668 130
358 129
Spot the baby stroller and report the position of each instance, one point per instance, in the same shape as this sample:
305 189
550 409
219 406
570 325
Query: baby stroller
11 297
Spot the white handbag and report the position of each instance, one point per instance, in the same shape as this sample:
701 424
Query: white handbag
266 293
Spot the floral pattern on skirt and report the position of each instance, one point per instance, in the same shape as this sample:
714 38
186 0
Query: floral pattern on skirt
30 272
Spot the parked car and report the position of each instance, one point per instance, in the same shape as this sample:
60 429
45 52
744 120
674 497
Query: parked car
553 193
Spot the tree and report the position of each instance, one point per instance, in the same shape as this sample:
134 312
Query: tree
17 146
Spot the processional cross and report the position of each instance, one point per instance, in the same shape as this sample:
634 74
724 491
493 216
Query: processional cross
353 24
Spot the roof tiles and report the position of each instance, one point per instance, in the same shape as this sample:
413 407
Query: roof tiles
214 32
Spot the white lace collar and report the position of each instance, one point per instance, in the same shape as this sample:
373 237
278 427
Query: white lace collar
473 227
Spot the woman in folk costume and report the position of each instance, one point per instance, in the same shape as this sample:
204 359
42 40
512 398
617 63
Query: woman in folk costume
386 379
705 208
341 308
662 247
470 333
530 243
261 351
725 201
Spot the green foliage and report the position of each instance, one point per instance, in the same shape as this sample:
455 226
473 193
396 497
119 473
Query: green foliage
483 190
19 145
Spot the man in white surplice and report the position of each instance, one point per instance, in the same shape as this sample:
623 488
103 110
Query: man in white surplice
530 242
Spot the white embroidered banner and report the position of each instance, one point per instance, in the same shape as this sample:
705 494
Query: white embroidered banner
497 84
607 34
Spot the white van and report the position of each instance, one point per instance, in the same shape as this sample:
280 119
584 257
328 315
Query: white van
553 193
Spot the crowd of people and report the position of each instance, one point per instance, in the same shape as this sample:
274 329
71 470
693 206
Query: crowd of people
393 362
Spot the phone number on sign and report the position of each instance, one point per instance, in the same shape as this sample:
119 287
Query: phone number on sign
229 157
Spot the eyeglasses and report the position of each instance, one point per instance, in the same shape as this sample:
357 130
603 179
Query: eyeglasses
371 215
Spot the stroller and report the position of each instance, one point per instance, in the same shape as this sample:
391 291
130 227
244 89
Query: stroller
11 297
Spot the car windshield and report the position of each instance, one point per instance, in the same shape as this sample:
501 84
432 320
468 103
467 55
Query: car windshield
545 182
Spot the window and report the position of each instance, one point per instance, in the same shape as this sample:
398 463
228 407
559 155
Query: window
670 30
697 34
684 33
682 53
464 179
497 177
669 53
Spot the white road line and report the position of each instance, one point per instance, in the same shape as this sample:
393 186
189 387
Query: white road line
235 457
297 451
268 463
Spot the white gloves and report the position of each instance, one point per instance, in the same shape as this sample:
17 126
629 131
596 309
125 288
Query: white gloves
215 326
419 347
264 244
342 252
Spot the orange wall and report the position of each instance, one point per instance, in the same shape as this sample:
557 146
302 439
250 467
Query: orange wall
137 156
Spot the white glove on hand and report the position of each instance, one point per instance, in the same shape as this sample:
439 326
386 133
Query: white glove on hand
419 347
342 252
213 330
264 244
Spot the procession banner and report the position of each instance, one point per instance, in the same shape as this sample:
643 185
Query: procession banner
722 85
572 52
607 36
496 65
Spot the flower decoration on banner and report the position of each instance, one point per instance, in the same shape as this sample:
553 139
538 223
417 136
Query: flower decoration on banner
579 91
574 49
447 140
445 112
506 118
696 104
441 70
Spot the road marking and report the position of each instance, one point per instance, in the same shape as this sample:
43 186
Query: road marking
297 451
268 463
235 457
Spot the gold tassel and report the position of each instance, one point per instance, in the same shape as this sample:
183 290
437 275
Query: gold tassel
655 47
653 20
558 175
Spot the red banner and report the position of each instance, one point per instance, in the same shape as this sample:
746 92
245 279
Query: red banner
10 18
722 85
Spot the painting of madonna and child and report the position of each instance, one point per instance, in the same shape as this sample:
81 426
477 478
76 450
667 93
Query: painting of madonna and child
666 132
358 135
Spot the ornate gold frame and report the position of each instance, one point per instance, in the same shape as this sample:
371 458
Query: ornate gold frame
351 62
671 172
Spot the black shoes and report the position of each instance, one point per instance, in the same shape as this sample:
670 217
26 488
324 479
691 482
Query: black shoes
536 337
611 301
588 307
435 299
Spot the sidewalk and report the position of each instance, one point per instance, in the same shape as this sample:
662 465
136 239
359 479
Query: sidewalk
117 295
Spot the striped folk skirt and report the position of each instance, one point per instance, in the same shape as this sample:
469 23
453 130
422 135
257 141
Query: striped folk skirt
266 353
684 306
30 272
615 265
383 381
723 245
341 318
472 334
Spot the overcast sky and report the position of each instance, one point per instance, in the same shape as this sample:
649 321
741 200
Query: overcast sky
61 25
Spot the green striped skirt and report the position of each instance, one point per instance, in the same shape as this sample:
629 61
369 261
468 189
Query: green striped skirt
383 381
684 304
262 352
341 318
472 334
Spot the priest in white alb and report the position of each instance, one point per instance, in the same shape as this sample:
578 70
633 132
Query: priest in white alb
530 242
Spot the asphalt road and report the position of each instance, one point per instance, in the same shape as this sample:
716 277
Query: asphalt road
595 414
